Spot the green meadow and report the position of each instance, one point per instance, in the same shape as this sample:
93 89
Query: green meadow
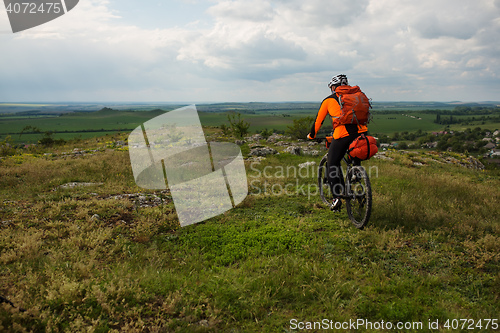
111 257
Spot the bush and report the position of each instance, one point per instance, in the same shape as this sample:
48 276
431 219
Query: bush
266 133
239 127
300 127
6 148
225 129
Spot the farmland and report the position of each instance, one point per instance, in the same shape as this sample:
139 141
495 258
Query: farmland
84 121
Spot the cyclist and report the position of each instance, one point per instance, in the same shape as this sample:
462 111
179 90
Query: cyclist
343 135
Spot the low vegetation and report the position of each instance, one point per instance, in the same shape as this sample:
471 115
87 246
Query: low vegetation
99 256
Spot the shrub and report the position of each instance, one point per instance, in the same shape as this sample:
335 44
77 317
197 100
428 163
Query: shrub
239 127
300 127
6 148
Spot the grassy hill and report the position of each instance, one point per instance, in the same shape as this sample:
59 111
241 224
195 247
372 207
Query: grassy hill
100 254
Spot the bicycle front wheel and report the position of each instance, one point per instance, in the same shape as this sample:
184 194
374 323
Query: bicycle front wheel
359 196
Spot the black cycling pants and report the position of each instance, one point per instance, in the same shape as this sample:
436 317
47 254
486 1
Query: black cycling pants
336 152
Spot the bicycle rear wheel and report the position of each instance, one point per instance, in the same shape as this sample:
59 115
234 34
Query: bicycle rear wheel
324 188
359 196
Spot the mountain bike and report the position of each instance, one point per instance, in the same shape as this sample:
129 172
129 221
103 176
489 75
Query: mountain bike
356 191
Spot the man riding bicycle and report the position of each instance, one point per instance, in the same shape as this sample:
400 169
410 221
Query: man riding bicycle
343 135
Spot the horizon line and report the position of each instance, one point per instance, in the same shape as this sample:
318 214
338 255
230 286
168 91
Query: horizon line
227 102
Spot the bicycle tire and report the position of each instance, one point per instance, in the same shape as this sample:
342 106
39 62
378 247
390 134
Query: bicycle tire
324 187
359 196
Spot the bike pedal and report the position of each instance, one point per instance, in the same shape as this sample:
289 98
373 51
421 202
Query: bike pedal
336 207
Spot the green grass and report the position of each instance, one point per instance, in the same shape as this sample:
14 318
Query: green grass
430 252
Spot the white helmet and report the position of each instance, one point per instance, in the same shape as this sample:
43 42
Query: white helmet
338 80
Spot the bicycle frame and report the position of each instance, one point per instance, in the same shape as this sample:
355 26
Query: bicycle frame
356 190
347 181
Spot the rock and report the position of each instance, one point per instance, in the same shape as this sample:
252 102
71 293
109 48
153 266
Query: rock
474 163
262 151
295 150
6 223
143 200
78 184
240 142
95 218
255 137
275 138
382 156
306 164
312 152
256 159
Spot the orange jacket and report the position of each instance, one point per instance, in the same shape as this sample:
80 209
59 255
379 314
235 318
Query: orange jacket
331 106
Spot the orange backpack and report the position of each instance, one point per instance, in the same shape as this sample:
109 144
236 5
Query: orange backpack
354 106
363 147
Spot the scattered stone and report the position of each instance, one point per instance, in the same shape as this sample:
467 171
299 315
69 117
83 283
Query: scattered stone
255 137
256 159
142 200
78 184
312 152
6 223
382 156
474 163
306 164
276 137
240 142
262 151
295 150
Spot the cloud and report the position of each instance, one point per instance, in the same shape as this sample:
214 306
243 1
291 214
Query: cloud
253 11
274 49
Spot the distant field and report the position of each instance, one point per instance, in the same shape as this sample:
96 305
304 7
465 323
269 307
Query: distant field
390 123
387 119
22 105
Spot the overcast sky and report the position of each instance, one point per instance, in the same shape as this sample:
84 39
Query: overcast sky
241 50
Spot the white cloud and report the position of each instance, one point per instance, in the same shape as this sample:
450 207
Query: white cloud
260 50
246 10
